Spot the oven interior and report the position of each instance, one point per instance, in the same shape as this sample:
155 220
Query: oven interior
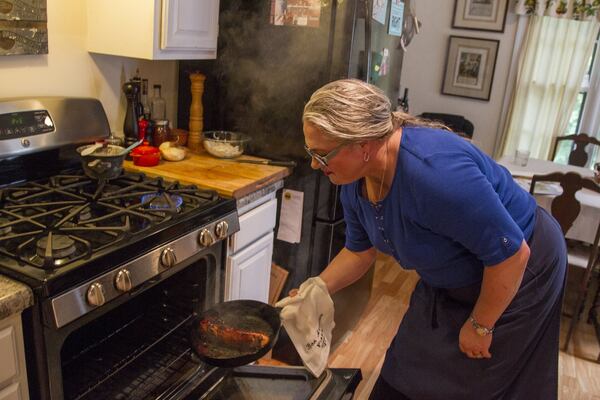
140 349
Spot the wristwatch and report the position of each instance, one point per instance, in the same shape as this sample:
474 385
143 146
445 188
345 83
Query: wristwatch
480 329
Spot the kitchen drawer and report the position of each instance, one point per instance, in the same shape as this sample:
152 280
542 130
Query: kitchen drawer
11 393
253 225
9 365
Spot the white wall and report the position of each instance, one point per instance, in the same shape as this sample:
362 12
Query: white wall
69 70
425 60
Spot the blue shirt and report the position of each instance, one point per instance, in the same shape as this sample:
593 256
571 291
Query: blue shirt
450 211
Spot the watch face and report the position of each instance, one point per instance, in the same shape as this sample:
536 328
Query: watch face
481 331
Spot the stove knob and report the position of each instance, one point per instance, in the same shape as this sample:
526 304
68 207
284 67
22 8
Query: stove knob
221 230
206 238
95 294
168 258
123 281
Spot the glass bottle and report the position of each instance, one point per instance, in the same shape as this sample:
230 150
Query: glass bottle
161 132
403 102
145 103
158 105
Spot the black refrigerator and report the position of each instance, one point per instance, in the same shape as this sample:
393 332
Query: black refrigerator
259 83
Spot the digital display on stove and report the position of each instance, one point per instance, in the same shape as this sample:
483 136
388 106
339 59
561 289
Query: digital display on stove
26 123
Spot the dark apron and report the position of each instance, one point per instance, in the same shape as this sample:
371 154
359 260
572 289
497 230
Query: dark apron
424 362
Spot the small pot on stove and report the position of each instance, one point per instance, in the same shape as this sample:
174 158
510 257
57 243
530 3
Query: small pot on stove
145 155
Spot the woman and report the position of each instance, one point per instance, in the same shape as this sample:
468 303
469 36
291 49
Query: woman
483 321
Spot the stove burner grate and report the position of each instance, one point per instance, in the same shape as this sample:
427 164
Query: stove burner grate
80 217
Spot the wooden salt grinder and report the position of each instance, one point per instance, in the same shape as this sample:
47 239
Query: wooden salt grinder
196 112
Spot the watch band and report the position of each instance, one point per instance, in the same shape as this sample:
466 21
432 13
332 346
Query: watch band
480 329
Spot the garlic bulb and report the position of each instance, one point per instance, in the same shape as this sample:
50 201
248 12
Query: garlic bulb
171 152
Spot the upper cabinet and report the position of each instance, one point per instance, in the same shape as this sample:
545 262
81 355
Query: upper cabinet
154 29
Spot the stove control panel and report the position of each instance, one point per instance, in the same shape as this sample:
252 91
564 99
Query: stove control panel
25 123
170 256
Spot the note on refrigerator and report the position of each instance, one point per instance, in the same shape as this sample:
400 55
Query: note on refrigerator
290 216
296 12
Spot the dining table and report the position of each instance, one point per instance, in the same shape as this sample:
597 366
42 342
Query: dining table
586 224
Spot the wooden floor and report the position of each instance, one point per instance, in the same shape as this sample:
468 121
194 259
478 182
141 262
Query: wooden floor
365 346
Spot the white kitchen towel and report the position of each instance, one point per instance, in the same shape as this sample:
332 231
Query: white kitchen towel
308 320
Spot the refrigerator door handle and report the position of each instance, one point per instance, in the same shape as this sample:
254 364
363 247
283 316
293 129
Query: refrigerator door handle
368 24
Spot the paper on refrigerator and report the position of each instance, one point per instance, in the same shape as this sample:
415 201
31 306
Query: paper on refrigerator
290 216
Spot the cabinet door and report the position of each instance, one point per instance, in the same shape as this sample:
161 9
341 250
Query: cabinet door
189 24
249 271
11 393
8 366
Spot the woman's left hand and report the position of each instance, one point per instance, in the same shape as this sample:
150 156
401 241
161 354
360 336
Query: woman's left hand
472 344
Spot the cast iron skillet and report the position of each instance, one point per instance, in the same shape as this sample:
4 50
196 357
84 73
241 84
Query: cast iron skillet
251 321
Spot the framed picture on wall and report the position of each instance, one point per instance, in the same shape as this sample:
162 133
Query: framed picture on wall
470 65
483 15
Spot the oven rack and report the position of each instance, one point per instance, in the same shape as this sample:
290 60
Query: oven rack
137 369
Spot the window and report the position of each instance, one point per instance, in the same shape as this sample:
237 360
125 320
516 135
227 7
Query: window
564 148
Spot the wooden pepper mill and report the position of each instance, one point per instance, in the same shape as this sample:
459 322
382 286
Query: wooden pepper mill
196 112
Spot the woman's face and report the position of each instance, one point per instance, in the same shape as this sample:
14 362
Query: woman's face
344 166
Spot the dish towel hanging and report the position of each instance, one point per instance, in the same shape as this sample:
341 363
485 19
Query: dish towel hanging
308 320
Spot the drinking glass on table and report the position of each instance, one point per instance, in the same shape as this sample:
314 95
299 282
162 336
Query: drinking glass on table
522 157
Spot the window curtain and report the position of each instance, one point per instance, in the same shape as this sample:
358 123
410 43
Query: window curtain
569 9
551 66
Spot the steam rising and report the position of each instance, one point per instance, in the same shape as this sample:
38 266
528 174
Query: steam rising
267 73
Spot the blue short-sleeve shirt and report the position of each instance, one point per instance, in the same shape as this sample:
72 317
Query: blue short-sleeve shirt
451 210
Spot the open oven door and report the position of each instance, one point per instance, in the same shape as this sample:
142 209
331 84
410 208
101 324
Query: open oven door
266 382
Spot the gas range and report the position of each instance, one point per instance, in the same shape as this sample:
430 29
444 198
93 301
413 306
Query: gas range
119 269
64 229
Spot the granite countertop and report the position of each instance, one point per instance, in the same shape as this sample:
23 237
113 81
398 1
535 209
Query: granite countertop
14 297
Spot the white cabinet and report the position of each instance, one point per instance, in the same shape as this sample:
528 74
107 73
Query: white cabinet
13 374
250 251
250 271
154 29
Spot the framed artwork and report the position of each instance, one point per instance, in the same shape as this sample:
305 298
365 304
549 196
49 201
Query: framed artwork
470 65
23 27
483 15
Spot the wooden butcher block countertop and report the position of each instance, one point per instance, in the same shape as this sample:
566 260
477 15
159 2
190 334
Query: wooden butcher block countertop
228 177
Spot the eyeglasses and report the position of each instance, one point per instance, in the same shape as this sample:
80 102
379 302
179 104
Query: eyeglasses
324 160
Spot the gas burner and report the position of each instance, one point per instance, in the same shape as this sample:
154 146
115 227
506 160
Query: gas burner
4 230
85 214
162 202
62 246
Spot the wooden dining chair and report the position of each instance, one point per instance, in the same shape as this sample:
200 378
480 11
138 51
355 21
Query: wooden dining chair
565 208
578 155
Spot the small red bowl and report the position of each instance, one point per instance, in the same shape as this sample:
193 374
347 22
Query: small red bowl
145 155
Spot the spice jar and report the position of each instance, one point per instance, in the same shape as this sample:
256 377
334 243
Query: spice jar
161 132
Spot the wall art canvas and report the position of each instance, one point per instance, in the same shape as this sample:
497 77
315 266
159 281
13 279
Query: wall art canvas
23 27
470 67
484 15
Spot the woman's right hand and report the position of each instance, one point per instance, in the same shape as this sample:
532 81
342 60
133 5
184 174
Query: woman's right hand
293 292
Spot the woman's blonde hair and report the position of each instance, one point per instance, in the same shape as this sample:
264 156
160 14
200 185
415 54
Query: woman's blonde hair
351 110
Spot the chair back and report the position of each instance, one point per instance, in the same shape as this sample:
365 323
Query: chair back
565 208
578 156
457 123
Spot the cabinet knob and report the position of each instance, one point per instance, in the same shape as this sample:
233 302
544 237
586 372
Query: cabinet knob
221 230
123 280
206 238
168 258
95 294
